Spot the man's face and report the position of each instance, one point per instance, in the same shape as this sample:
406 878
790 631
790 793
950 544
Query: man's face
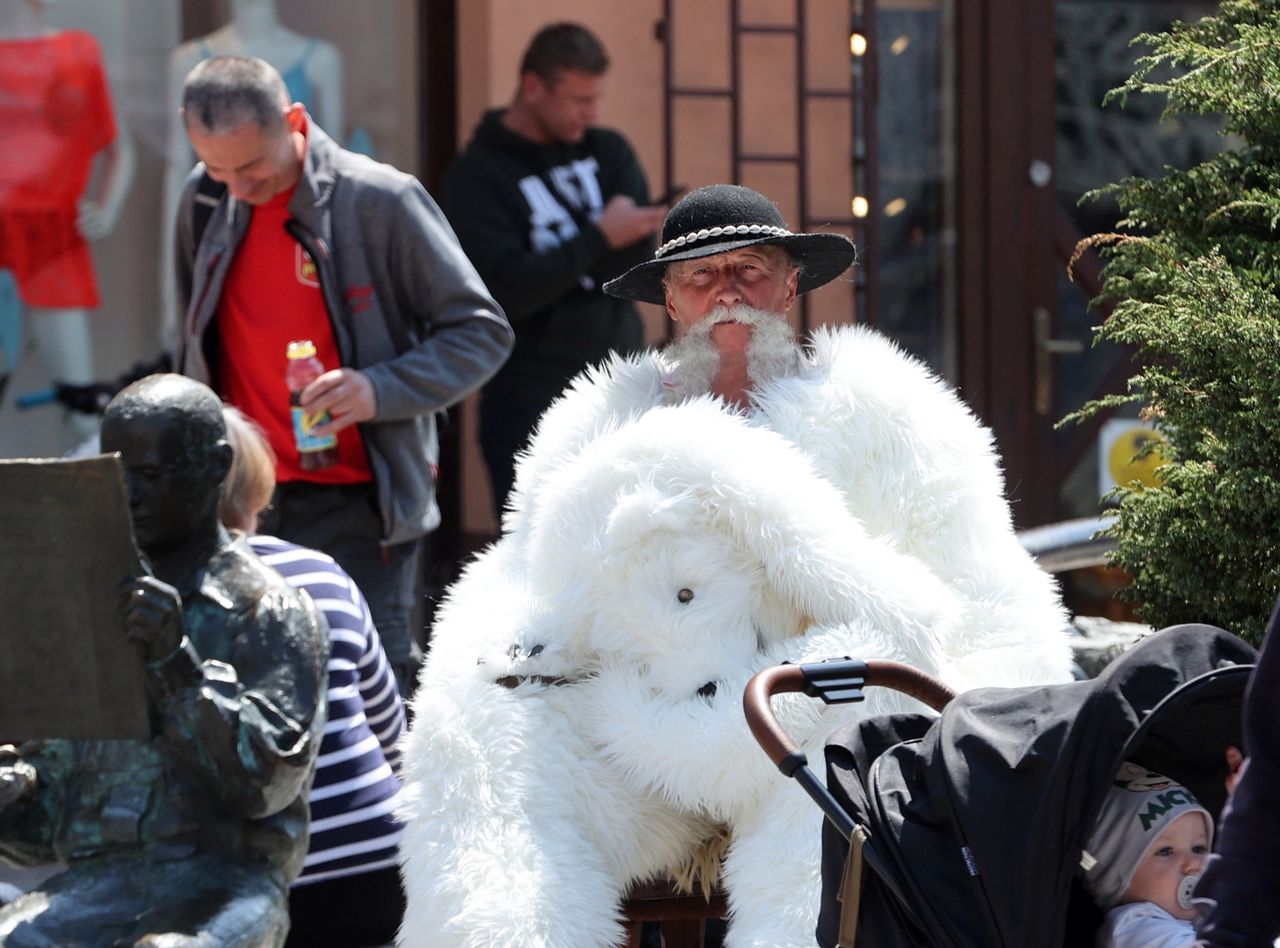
761 277
167 497
1179 851
565 106
254 163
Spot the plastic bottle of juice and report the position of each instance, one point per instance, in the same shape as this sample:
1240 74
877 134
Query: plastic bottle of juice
301 369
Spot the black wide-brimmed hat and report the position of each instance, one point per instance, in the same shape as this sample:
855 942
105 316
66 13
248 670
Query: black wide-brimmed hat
724 217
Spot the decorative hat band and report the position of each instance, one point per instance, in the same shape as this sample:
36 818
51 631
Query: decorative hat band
745 230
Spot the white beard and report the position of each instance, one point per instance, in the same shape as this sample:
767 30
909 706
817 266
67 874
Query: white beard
772 353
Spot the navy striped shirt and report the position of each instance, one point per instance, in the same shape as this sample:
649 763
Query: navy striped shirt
353 828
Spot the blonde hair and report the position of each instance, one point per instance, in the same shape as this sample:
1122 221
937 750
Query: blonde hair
252 478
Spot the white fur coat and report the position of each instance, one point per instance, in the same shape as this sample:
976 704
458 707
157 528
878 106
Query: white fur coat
658 553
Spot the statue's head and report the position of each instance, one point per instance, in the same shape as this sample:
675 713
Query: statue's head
173 444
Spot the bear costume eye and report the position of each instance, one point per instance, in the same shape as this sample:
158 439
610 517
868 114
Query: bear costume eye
685 595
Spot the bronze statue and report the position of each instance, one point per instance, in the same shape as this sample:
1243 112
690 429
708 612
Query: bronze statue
192 837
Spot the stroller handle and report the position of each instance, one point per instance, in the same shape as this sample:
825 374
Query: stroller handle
843 678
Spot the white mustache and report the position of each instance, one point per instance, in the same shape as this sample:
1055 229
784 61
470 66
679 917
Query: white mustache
739 313
772 352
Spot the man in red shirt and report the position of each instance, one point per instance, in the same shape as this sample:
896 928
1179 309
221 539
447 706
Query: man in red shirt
309 241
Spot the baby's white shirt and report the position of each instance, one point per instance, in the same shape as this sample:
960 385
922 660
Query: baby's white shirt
1144 925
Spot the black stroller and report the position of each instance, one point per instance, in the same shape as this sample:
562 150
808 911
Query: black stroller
965 830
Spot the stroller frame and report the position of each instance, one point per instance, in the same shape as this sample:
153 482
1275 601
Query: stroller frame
835 681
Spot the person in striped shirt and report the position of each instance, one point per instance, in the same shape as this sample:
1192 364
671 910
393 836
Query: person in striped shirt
349 893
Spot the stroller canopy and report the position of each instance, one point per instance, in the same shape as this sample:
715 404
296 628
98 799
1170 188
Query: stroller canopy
978 818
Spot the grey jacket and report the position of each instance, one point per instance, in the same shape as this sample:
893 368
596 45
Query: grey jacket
406 305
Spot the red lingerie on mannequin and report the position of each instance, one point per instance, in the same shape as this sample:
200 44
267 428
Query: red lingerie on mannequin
55 116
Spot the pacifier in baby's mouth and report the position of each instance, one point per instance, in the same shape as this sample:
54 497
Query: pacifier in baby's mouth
1185 888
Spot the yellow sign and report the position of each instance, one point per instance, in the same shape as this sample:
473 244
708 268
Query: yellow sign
1120 442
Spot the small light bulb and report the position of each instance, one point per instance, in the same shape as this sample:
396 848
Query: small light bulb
857 44
895 207
860 206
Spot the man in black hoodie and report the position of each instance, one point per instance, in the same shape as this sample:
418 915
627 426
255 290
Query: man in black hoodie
549 207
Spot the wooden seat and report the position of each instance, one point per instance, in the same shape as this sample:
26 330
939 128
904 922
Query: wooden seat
682 917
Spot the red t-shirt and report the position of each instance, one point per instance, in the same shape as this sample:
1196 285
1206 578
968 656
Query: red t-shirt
272 297
55 116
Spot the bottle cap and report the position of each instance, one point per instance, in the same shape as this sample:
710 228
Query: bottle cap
301 349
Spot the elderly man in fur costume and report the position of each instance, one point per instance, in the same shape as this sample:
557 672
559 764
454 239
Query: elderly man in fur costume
681 520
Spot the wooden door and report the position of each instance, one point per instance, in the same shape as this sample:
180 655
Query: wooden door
1034 139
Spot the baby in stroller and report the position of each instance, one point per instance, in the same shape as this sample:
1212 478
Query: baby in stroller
1143 859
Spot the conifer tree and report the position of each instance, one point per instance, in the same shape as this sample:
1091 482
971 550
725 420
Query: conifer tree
1194 273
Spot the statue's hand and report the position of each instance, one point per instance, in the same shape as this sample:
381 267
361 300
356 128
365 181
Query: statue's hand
152 612
17 777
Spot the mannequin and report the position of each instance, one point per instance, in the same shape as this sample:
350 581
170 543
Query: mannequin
64 174
312 69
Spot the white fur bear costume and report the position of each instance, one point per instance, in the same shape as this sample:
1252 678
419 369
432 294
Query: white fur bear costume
659 553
